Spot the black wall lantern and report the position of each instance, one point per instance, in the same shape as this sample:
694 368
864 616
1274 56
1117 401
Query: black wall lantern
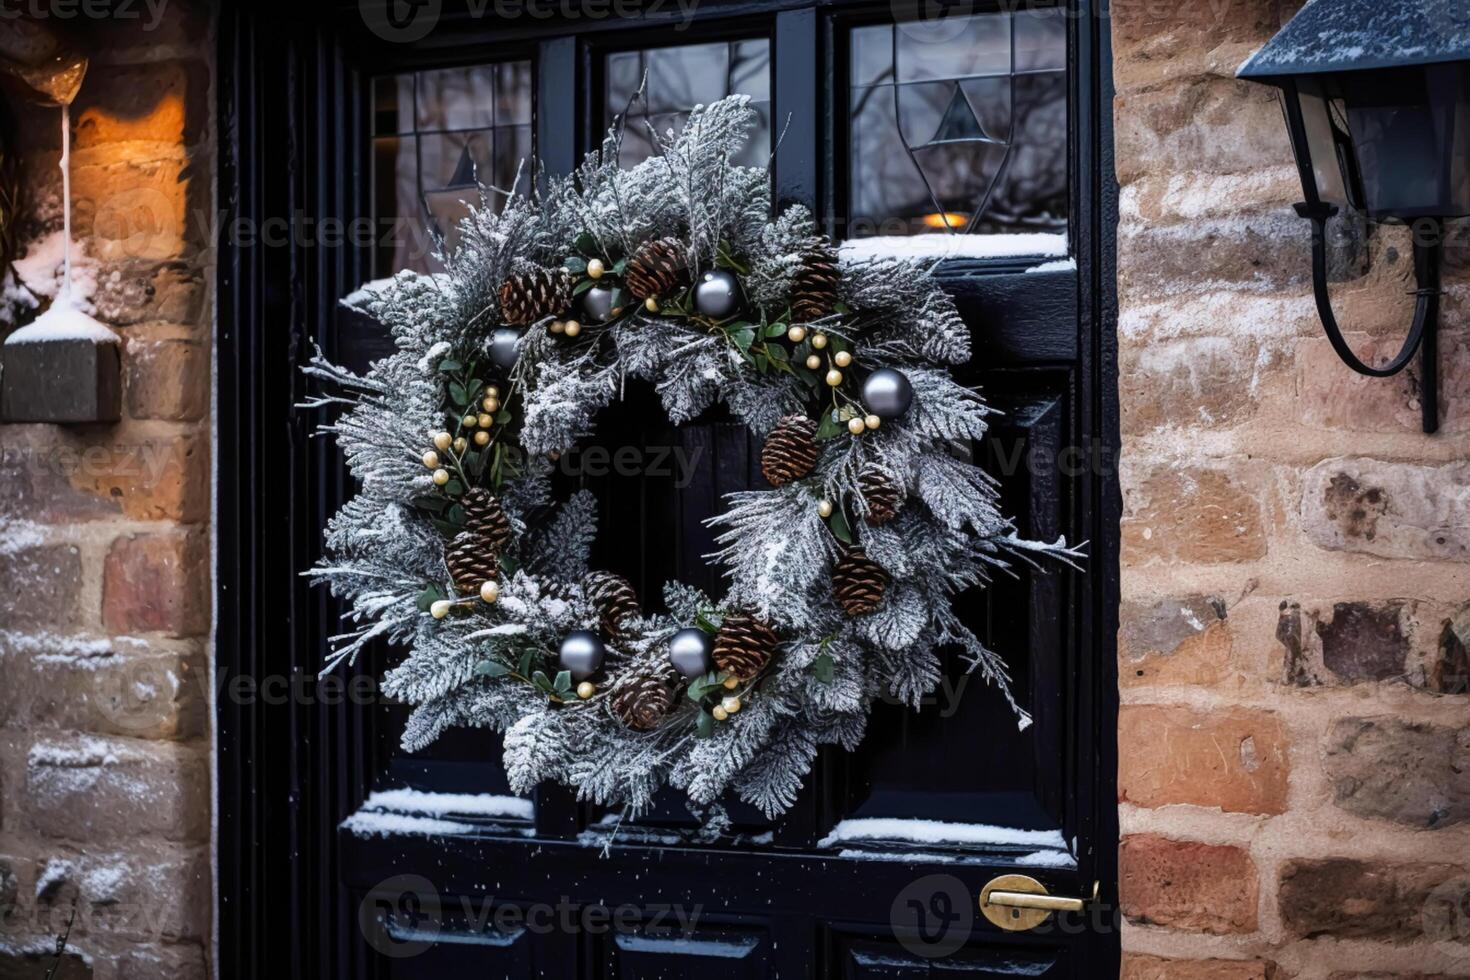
1377 101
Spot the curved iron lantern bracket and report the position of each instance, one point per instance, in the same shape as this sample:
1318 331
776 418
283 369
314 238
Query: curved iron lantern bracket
1423 336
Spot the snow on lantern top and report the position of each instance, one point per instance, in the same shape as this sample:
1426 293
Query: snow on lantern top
1377 102
1329 36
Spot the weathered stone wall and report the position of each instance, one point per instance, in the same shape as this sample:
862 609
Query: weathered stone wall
1294 780
104 552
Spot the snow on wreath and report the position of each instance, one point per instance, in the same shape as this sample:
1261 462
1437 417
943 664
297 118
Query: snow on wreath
840 575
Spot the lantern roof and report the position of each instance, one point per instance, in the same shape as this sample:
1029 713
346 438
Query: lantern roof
1329 36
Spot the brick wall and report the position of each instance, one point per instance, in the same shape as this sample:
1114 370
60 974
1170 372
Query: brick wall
104 553
1295 734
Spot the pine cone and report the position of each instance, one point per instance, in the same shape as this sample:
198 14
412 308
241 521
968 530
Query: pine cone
486 517
814 287
555 589
642 700
530 296
657 268
858 582
880 494
472 561
614 599
790 452
744 645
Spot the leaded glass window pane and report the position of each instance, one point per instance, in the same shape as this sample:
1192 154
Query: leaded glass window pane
958 127
679 78
437 136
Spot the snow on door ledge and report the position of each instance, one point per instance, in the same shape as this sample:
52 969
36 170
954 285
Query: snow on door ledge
894 839
395 812
1037 245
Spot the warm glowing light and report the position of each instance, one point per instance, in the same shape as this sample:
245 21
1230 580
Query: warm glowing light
946 219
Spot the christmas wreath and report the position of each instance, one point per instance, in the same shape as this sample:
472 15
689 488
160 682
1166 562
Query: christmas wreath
840 574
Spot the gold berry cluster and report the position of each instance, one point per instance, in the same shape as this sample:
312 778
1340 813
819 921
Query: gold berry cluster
834 377
478 424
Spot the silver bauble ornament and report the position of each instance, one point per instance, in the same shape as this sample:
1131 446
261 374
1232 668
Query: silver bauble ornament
503 347
717 295
691 652
597 304
581 653
887 393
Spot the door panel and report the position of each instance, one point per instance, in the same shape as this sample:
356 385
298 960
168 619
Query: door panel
962 757
457 939
812 894
889 961
708 952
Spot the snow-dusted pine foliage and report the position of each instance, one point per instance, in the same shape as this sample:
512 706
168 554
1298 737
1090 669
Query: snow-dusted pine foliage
494 663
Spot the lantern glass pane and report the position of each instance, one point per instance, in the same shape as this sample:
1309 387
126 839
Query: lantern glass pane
1409 131
1323 138
1455 97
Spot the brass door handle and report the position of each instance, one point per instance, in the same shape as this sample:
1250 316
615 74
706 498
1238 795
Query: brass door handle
1016 903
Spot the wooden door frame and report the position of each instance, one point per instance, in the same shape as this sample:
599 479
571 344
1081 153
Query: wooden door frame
288 114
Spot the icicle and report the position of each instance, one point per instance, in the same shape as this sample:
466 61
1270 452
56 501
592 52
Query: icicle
65 295
64 320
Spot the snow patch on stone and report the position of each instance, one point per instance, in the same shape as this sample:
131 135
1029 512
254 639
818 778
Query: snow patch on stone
1213 313
41 270
101 884
18 535
45 948
54 648
1192 196
84 752
56 873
